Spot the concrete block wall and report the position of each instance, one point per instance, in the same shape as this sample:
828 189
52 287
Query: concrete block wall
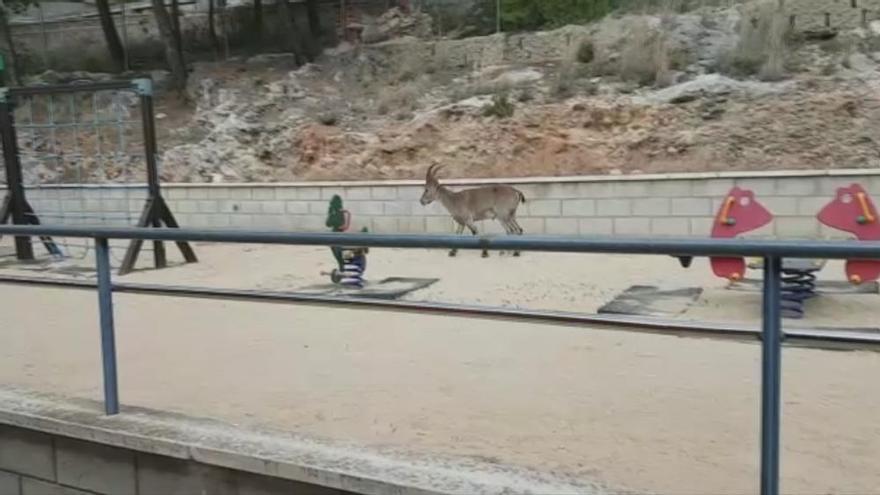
676 205
37 463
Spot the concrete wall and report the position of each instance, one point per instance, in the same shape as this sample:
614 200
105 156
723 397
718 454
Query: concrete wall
671 205
56 445
37 463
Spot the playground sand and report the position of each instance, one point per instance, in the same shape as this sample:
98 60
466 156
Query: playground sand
550 281
641 412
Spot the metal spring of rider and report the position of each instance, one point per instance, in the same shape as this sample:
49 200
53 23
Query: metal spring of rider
797 287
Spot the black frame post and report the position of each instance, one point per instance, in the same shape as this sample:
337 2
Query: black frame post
14 181
156 212
145 91
15 204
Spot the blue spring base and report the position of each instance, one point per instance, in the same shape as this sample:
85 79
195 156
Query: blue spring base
798 285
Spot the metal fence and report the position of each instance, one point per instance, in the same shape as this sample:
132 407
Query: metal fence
46 40
772 252
82 133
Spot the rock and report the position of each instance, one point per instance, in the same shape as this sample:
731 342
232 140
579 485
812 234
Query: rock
272 58
861 63
712 84
518 77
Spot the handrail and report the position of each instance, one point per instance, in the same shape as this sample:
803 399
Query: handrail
773 251
673 246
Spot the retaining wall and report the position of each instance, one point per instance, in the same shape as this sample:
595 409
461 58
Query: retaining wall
52 445
38 463
668 205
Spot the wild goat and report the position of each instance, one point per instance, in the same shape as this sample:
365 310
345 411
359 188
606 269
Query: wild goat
471 205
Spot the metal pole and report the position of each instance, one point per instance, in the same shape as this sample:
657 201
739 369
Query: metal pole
108 339
771 357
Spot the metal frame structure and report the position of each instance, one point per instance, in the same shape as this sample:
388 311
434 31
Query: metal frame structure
155 213
773 252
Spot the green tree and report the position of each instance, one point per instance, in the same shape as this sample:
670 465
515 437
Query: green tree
314 18
518 15
173 56
111 36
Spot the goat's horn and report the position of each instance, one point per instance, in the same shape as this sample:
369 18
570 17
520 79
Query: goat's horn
431 171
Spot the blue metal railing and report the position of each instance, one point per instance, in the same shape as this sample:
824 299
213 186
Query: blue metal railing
772 251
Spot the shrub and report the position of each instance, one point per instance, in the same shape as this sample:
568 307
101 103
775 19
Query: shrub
645 56
328 118
500 107
395 98
761 49
585 52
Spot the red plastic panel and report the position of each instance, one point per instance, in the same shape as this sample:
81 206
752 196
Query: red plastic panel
853 211
739 213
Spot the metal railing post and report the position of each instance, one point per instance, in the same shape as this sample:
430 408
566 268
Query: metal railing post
108 338
771 357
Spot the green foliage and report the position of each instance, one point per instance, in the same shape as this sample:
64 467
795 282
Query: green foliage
518 15
500 107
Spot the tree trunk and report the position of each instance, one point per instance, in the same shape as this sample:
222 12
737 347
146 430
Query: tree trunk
172 55
258 19
175 23
11 72
292 37
114 45
314 18
212 29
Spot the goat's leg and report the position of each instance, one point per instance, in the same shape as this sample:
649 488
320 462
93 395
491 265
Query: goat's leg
508 225
516 229
473 228
459 229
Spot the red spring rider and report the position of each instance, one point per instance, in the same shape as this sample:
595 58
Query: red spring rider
852 211
739 213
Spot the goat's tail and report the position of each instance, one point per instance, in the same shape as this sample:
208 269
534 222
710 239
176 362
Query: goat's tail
522 197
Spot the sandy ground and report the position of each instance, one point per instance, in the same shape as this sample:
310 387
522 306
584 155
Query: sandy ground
642 412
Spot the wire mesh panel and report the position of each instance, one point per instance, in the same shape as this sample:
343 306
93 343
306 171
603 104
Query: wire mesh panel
83 154
82 159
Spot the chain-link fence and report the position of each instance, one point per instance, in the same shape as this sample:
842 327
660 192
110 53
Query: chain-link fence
210 30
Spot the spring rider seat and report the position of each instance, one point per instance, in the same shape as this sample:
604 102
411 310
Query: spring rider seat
739 213
852 211
351 261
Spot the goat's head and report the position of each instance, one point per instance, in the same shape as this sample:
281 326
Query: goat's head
432 185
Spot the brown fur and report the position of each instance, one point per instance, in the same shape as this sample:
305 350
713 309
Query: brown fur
467 207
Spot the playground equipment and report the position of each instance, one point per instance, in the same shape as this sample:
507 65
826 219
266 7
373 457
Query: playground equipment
851 211
351 261
59 139
739 213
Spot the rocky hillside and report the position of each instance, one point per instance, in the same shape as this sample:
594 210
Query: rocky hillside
717 89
